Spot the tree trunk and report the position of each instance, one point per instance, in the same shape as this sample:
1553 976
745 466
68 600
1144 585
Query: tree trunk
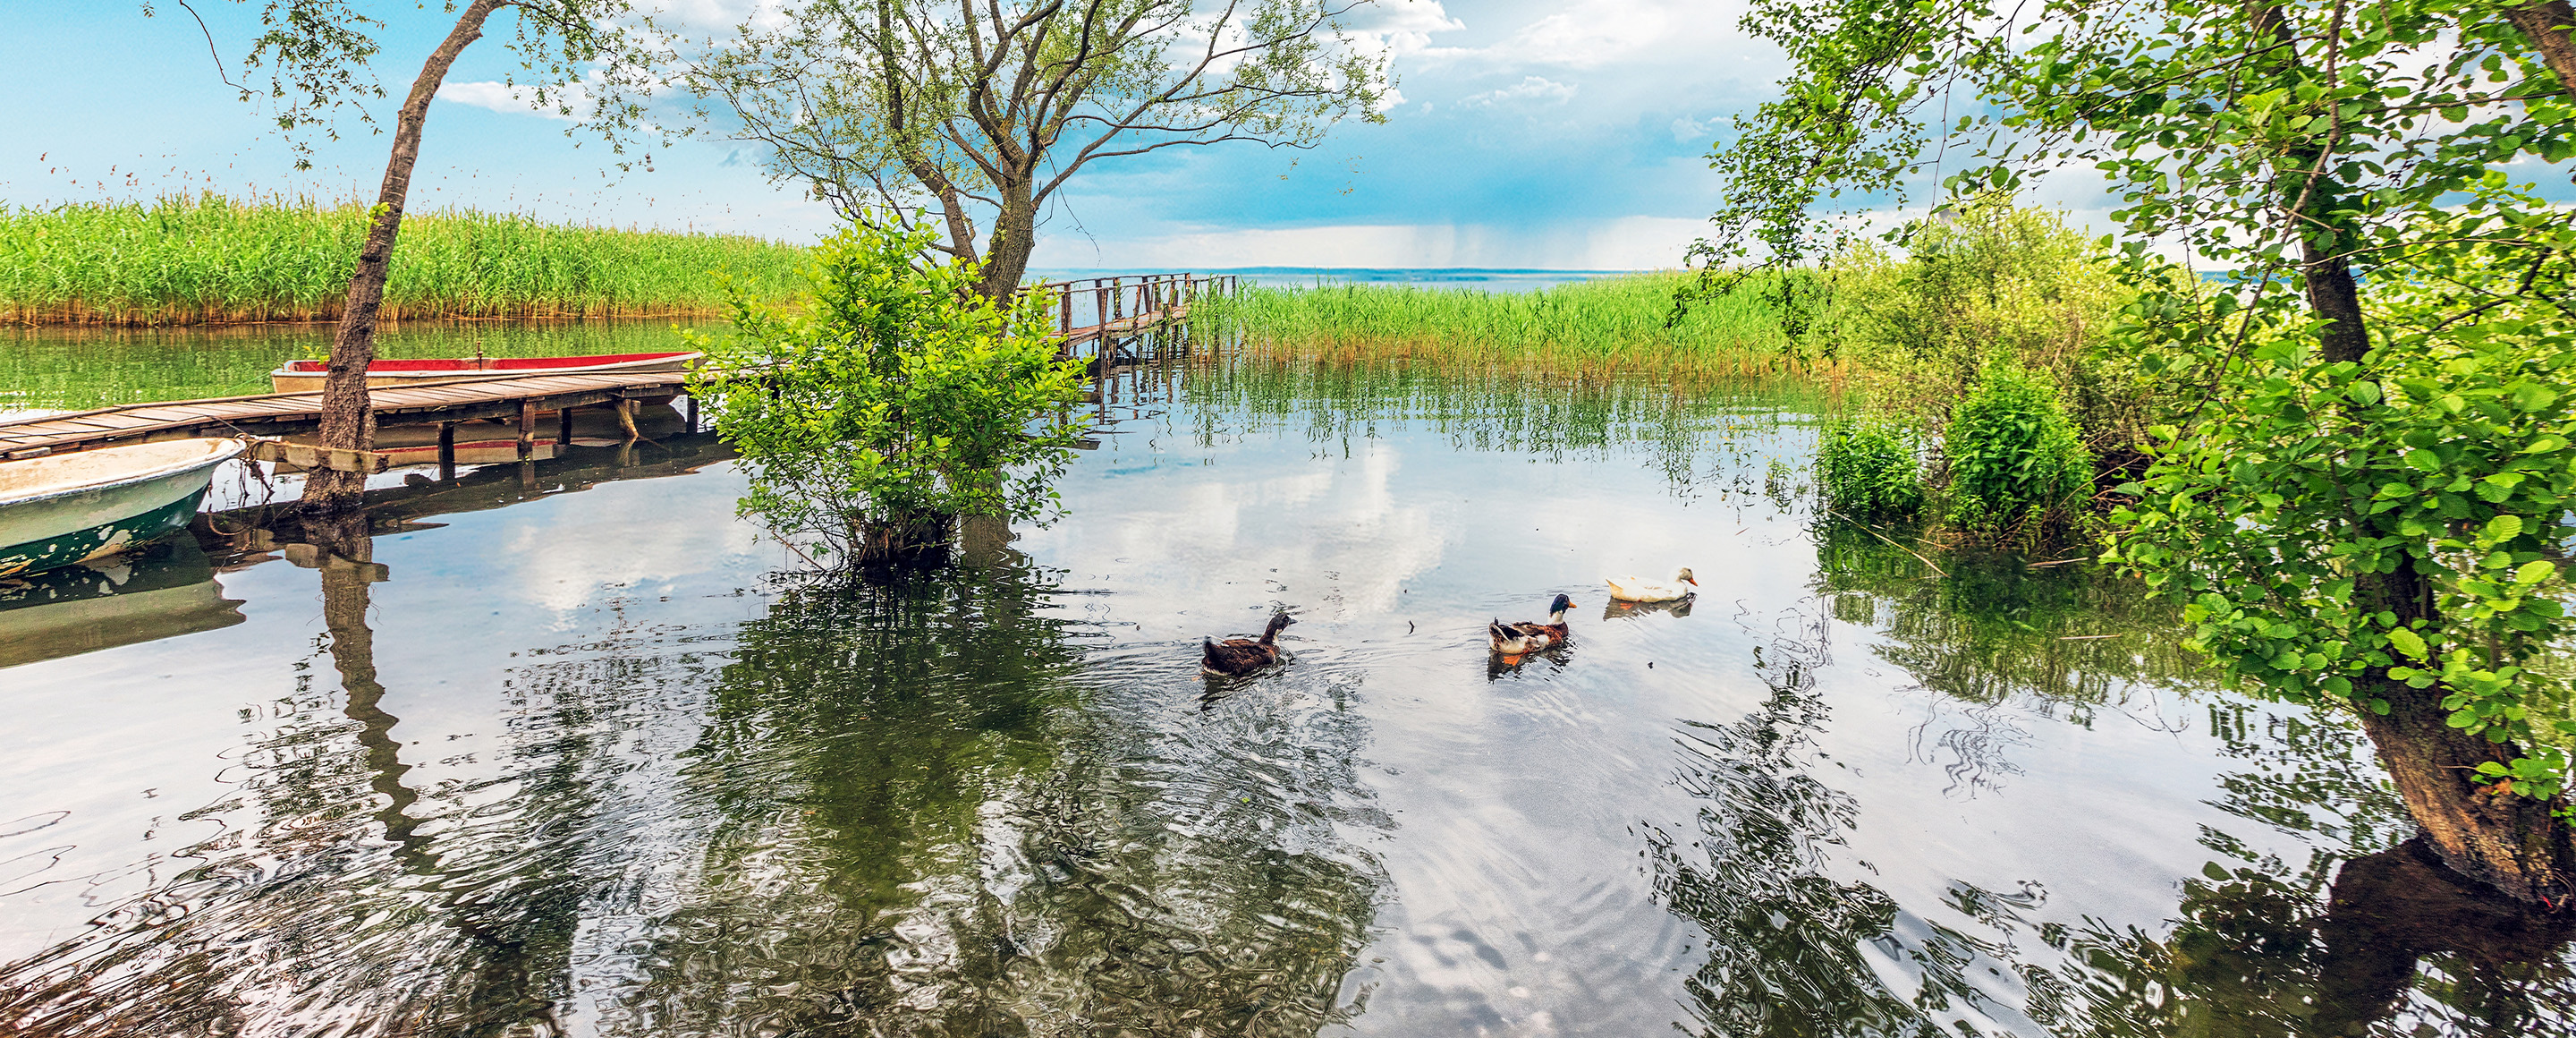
2547 24
2509 841
1015 236
348 422
912 539
2335 295
2512 842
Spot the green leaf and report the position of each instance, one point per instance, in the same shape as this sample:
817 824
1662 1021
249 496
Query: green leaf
2407 642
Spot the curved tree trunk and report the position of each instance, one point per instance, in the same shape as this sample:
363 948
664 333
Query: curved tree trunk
348 422
2511 842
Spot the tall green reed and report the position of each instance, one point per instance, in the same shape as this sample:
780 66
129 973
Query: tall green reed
209 259
1611 324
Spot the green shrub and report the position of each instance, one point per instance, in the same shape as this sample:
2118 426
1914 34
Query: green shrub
891 401
2017 467
1987 278
1867 470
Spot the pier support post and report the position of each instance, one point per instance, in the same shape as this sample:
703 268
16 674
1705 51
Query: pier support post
692 398
527 430
563 429
446 451
626 419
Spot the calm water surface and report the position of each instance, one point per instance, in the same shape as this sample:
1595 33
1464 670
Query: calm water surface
592 758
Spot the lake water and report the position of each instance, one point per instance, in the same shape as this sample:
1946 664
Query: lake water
588 755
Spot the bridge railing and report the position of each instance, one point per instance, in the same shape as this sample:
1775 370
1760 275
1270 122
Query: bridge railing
1101 300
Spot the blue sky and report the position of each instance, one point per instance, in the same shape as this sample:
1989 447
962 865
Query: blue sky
1530 134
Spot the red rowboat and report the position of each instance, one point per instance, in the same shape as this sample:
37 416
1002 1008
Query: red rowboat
305 376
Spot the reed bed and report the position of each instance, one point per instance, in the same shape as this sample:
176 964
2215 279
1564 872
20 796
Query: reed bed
212 260
1604 326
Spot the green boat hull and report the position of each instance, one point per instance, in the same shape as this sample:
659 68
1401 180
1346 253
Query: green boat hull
46 553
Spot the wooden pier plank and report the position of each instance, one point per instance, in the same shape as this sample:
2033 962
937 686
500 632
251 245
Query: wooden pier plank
455 401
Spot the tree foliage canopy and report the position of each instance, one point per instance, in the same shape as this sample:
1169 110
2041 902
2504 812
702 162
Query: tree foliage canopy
313 60
983 112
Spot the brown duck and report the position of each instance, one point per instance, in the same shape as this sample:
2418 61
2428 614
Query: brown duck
1522 638
1237 656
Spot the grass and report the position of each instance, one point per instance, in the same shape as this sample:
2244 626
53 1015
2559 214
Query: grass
211 260
1605 325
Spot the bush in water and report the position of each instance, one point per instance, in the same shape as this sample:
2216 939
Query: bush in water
1867 470
891 401
2017 467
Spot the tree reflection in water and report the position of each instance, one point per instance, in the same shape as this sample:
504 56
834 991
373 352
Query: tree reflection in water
921 834
2366 937
893 809
353 903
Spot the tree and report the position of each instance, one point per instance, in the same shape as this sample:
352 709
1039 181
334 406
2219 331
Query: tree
316 53
2368 511
885 107
892 402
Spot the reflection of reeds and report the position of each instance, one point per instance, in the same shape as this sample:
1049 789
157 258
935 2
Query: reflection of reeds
1617 324
211 260
1674 420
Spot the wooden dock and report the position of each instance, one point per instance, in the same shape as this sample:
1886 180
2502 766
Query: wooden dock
1127 305
1121 307
286 414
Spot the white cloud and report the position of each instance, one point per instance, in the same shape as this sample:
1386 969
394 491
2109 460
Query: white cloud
1602 32
1694 131
503 98
1536 89
1402 26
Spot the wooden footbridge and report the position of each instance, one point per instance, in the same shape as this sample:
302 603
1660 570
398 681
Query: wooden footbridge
1158 300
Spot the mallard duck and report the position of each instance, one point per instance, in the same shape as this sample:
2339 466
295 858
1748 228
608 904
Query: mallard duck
1519 639
1640 589
1237 656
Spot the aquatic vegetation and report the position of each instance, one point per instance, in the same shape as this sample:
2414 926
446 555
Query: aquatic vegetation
1987 279
209 260
2337 515
2017 468
1611 324
1868 469
1555 416
891 404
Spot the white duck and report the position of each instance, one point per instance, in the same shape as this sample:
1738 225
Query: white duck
1640 589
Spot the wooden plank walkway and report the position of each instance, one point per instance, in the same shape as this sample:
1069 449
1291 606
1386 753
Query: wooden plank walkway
1126 325
1158 300
280 414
